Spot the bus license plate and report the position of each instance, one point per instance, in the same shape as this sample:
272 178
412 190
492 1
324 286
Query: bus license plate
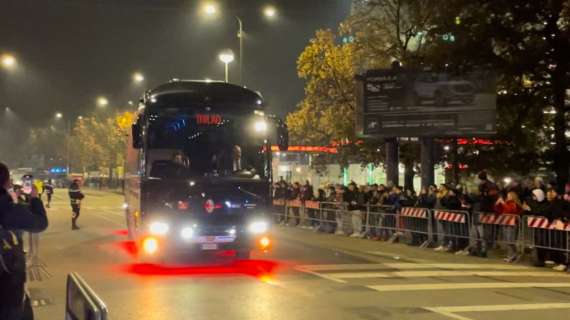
210 246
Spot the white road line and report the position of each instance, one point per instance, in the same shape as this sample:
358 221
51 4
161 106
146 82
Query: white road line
426 274
409 266
456 286
321 275
336 267
451 311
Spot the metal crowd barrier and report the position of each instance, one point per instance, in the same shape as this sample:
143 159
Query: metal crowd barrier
549 238
417 225
452 228
381 222
82 303
427 227
490 229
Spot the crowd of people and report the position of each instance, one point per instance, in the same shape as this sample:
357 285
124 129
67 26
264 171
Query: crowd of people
529 197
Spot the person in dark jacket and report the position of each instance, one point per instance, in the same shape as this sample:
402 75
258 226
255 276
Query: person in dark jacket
75 197
48 190
540 207
354 200
558 211
16 217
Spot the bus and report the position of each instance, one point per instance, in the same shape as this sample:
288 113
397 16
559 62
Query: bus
199 173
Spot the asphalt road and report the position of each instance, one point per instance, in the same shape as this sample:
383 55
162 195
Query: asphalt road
307 276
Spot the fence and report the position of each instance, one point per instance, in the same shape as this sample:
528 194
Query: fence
450 229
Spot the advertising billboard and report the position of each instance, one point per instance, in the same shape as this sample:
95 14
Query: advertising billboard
401 103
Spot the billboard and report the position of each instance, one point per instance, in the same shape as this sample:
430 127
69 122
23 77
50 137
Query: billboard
401 103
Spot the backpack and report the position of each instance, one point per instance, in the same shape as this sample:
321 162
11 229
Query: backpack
12 257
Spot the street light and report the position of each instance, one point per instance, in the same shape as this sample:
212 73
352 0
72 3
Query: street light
102 102
138 77
210 8
58 115
8 61
269 11
226 56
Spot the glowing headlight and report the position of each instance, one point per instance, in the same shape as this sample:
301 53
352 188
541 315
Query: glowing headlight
260 126
258 227
187 233
159 228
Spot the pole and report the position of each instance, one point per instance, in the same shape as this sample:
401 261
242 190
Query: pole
67 151
226 65
240 37
392 161
427 161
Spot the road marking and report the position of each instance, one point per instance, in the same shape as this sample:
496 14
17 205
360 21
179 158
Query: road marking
407 266
336 267
455 286
320 275
426 274
451 311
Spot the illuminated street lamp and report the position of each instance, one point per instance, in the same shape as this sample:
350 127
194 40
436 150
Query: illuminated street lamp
8 61
58 115
226 56
102 102
210 8
138 77
269 12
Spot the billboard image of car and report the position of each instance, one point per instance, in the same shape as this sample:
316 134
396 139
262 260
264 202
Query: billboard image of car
397 102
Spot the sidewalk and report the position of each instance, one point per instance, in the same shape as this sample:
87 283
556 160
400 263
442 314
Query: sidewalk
380 250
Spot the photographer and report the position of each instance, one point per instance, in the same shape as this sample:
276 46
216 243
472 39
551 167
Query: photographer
14 304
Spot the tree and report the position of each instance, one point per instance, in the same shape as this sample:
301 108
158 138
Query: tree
326 114
100 143
527 44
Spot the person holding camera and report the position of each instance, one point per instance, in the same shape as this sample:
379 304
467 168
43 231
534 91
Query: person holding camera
75 197
14 218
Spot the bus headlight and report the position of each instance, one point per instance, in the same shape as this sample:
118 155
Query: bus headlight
187 233
158 228
260 126
258 227
150 245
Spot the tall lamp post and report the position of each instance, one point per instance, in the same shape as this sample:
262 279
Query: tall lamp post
211 9
226 56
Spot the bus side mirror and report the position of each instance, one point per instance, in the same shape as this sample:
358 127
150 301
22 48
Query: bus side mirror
282 137
136 133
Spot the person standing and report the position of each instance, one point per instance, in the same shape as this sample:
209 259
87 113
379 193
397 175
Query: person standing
354 201
48 190
14 303
75 197
39 184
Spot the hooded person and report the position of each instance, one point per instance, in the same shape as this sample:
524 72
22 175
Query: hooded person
538 205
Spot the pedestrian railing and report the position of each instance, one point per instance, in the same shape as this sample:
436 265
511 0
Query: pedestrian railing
453 229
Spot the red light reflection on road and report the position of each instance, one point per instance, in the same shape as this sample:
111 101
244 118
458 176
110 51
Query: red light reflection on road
121 232
262 269
128 246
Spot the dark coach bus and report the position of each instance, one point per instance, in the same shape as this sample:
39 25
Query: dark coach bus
199 171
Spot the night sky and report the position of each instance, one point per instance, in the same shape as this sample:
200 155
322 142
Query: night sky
71 51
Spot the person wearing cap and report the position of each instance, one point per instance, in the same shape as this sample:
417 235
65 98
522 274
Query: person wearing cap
538 206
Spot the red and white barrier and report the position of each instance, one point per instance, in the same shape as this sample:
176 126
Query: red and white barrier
450 216
538 222
414 212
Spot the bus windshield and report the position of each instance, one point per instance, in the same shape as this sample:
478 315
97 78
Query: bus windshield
204 145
